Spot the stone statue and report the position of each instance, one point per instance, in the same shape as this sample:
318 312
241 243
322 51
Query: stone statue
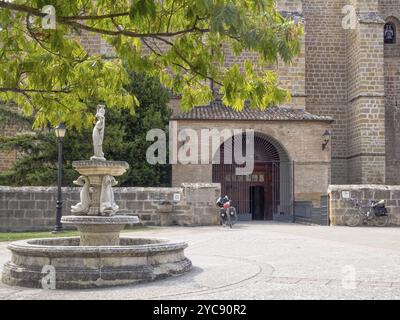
83 206
98 134
107 203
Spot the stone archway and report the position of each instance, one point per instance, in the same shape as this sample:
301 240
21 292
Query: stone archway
266 193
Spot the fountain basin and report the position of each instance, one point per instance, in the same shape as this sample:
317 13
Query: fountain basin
134 260
99 230
92 168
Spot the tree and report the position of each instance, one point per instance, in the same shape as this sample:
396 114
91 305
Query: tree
47 72
125 138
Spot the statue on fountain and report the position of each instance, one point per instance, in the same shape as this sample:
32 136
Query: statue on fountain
107 203
83 206
97 176
98 134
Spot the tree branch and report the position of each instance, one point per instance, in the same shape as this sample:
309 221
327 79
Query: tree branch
39 42
99 17
73 23
192 68
24 91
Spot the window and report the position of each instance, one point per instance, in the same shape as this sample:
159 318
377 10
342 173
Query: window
390 33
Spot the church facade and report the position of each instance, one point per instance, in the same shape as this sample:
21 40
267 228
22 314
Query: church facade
341 125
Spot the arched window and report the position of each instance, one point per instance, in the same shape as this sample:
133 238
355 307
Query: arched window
390 33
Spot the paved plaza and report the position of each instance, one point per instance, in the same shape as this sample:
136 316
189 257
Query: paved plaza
263 261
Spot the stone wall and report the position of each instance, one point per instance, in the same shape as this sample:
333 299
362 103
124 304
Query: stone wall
290 77
338 204
390 10
7 158
366 99
326 74
33 208
300 139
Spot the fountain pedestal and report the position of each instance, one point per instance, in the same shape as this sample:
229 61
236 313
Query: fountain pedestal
99 231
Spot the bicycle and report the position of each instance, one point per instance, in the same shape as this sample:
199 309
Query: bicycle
357 215
228 213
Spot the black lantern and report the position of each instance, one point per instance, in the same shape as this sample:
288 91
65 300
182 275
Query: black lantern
326 138
60 131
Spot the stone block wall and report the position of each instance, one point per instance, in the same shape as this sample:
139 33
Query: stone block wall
338 204
326 74
366 97
300 139
7 158
390 10
94 44
33 208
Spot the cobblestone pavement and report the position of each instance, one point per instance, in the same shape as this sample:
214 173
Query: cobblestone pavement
263 261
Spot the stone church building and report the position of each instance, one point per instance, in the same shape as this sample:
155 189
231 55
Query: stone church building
341 126
346 83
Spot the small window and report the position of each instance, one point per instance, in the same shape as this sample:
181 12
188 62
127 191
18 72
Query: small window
390 33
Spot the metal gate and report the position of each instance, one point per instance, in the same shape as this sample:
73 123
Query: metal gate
266 193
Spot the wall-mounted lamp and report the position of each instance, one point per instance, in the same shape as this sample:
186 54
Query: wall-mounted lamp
326 138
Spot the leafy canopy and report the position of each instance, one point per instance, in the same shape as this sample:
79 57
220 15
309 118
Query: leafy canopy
125 138
182 42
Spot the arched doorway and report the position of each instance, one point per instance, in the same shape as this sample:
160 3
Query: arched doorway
266 193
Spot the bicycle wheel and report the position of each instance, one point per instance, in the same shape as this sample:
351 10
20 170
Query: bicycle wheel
228 218
352 218
233 215
223 219
381 221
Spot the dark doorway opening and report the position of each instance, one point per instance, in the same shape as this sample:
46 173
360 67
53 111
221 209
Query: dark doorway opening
257 201
264 194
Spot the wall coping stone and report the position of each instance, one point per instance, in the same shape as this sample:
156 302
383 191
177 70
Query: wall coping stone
118 189
200 185
31 189
351 187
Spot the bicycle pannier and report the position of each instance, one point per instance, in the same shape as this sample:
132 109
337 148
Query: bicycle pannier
380 209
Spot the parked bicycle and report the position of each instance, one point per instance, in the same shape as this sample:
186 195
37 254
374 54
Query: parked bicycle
358 214
228 213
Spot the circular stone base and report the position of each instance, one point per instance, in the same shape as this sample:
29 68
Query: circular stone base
134 260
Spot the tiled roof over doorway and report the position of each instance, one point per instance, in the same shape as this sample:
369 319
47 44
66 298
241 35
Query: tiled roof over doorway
217 111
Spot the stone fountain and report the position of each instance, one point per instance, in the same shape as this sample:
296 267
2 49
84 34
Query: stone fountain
99 257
